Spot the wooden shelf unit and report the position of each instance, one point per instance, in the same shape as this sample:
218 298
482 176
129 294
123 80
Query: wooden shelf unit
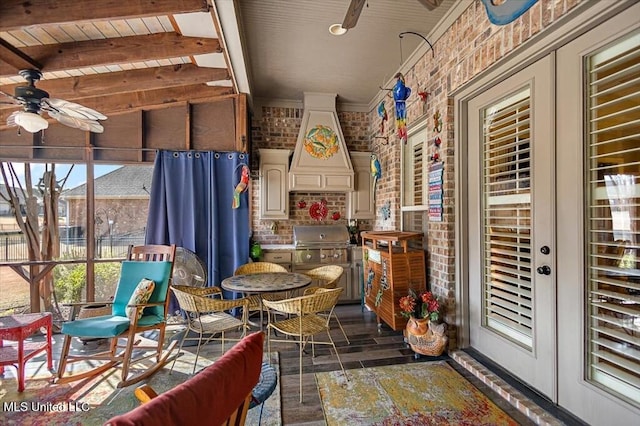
405 269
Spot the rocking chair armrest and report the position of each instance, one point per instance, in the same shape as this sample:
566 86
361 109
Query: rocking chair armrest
76 307
145 305
81 304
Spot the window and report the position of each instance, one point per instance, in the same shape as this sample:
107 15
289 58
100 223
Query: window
414 201
506 210
119 217
613 218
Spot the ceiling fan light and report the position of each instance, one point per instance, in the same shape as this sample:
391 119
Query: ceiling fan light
337 29
31 122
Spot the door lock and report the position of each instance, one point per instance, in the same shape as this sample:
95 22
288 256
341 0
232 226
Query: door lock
544 270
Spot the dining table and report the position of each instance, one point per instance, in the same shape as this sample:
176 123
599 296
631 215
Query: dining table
265 282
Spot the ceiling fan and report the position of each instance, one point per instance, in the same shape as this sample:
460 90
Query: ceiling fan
355 8
35 101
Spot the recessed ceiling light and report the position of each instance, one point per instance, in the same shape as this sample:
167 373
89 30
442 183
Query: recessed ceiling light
337 30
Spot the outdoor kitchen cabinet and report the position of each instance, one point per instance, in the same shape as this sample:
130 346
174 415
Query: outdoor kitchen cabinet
274 176
392 267
281 257
360 203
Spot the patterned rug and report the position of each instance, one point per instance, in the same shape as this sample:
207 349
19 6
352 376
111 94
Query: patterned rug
428 393
94 401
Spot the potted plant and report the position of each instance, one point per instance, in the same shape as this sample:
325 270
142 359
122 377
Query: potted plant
424 333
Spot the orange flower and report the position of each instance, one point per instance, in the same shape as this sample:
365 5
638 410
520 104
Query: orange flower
407 304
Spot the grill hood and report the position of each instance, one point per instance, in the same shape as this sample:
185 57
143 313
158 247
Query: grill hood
320 236
320 160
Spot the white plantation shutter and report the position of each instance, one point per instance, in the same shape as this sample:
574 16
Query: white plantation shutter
613 213
414 199
508 299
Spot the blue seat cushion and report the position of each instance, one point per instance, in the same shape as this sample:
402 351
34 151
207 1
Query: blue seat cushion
105 326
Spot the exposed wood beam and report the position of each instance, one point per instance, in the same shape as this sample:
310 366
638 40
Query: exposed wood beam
113 51
124 102
15 58
74 88
20 13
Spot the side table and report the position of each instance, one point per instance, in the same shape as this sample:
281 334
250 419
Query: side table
265 387
18 328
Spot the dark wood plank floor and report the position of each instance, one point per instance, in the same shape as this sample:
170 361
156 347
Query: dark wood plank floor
370 346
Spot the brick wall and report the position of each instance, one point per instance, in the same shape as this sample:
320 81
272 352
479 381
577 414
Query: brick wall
129 216
278 128
468 47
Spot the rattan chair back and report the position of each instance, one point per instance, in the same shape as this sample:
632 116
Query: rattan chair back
257 267
205 309
326 276
321 301
197 300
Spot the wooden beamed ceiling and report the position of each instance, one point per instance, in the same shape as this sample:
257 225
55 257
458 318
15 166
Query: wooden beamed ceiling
112 56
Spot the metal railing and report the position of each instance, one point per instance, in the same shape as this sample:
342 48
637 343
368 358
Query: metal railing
14 247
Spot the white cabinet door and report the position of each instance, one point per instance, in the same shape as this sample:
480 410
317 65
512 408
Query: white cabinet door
360 201
274 193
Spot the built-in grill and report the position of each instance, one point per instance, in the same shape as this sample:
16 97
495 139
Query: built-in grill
320 245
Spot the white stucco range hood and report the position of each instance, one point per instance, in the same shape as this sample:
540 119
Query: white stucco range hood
320 160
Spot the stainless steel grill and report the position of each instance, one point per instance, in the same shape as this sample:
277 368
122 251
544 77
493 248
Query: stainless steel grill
320 245
320 236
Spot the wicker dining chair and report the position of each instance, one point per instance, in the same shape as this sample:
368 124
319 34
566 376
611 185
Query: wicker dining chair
304 322
205 310
327 276
255 268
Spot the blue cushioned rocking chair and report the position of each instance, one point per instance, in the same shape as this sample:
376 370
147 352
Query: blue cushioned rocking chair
153 262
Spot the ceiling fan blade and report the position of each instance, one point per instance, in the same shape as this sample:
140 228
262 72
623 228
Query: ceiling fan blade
11 120
353 13
430 4
10 99
77 122
73 109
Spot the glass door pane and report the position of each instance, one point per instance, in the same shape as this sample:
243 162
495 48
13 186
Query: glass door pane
613 217
507 218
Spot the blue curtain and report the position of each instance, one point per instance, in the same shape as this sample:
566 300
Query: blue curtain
190 206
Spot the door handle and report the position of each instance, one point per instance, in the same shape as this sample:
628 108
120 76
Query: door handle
544 270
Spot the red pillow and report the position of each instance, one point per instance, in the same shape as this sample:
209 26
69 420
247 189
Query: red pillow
209 397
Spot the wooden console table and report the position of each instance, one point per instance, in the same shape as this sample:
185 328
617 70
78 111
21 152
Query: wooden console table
19 328
391 268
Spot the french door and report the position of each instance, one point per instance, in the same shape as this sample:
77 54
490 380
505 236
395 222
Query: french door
511 226
553 234
598 156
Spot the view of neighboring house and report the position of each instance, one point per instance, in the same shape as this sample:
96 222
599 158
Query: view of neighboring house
8 223
121 203
5 206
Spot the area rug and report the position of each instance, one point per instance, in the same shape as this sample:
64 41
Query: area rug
94 401
426 393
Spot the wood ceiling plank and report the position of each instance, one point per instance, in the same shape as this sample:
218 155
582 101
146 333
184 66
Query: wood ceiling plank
149 99
74 88
113 51
19 13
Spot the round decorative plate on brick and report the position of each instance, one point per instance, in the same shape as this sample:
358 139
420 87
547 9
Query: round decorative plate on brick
318 211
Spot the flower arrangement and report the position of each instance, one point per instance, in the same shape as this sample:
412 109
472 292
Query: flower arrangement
423 305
